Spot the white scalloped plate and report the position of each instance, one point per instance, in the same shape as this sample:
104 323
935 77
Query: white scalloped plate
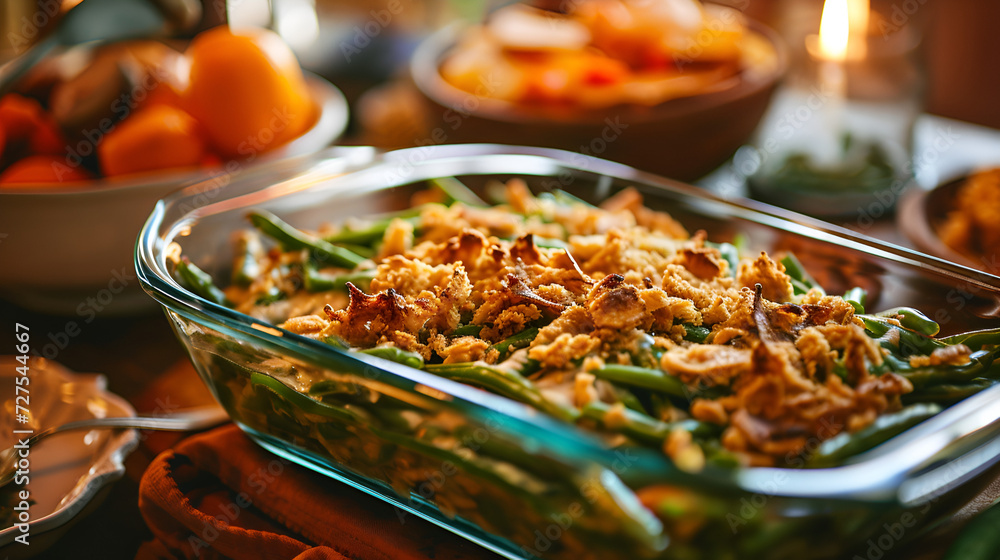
67 471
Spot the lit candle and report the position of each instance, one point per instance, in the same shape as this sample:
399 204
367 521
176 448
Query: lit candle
831 158
858 12
834 31
834 37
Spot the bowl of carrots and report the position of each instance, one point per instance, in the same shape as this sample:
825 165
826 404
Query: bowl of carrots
91 141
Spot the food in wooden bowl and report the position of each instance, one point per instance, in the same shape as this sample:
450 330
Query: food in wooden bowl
671 86
958 220
972 227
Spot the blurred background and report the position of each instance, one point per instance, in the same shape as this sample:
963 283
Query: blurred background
959 46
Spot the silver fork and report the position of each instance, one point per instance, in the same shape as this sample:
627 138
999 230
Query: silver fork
189 420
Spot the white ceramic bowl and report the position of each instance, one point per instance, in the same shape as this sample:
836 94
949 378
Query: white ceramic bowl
69 251
71 471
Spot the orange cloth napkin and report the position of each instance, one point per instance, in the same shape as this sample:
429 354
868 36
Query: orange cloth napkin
219 495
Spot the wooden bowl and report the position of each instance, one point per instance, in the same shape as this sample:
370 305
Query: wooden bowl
921 213
682 138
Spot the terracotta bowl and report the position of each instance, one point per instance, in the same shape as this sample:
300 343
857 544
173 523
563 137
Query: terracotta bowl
681 138
922 212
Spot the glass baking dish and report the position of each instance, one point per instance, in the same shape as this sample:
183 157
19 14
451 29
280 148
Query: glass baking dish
512 479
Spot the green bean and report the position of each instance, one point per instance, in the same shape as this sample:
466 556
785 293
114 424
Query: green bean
844 445
315 281
647 378
646 353
475 466
905 342
633 424
336 342
857 297
696 333
455 191
643 428
716 454
292 239
496 192
367 235
270 296
549 243
741 242
912 319
730 254
467 330
628 398
392 418
359 250
199 282
302 402
360 236
397 355
567 199
502 382
246 266
801 281
333 387
980 539
948 393
495 444
975 339
978 365
511 343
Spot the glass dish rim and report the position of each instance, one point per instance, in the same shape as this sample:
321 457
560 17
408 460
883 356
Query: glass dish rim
890 473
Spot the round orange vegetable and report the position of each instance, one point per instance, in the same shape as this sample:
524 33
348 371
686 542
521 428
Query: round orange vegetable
43 171
247 90
157 137
20 116
3 140
46 138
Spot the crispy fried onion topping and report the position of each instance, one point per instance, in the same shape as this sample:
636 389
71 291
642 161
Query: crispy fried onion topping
779 372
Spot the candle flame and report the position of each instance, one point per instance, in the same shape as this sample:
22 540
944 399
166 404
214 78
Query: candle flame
858 12
834 30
